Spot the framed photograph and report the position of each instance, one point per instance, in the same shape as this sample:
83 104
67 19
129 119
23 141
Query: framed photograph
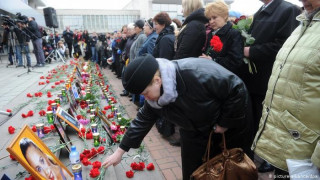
78 72
64 138
75 91
73 122
71 98
72 111
105 123
36 157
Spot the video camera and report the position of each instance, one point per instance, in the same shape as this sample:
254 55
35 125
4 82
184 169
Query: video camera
7 20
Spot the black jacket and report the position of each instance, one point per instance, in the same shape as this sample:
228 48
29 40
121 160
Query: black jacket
164 47
192 36
231 55
34 30
270 28
68 36
207 94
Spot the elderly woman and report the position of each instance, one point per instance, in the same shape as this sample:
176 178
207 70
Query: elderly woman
164 47
139 39
231 54
152 36
192 35
291 105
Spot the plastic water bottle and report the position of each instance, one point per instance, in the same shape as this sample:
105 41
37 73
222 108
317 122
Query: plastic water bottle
74 156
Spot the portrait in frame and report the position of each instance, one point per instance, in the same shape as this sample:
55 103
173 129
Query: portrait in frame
105 123
36 157
64 138
65 116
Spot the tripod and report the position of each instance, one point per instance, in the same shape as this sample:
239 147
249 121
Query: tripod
11 47
55 54
28 70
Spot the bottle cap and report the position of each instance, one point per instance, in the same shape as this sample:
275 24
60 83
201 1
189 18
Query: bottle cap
73 148
76 168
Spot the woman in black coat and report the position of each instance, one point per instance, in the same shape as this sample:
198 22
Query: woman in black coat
231 54
192 35
164 47
195 94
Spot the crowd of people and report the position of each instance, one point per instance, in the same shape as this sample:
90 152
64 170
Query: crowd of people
192 75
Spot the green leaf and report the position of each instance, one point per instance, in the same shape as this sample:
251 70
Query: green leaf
234 26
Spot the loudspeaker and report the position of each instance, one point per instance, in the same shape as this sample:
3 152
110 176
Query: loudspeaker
50 17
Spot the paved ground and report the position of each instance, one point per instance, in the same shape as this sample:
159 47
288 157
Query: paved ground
167 157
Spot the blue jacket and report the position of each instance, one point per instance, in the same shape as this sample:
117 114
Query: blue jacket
148 45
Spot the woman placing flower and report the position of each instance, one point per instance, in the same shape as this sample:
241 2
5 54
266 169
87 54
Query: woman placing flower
224 44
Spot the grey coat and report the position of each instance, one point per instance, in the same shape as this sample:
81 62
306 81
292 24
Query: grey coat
137 44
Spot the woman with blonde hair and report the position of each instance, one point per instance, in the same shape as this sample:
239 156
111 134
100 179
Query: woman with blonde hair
231 54
192 35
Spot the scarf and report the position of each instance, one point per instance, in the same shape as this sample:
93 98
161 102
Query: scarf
169 84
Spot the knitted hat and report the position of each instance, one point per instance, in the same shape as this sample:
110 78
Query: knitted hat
139 23
139 73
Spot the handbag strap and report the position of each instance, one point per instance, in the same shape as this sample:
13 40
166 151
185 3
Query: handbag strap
225 152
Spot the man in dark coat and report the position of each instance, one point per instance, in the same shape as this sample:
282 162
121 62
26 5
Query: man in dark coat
271 26
192 35
68 37
195 94
36 41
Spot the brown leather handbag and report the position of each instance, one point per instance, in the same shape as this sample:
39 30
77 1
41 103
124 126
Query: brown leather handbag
231 164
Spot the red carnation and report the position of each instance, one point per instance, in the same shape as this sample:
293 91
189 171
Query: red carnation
34 128
96 164
101 150
46 129
12 158
29 95
93 151
89 135
30 113
30 178
47 81
50 102
11 129
94 172
24 115
9 110
42 112
138 167
53 87
49 108
42 77
57 83
216 43
150 166
86 162
104 112
129 174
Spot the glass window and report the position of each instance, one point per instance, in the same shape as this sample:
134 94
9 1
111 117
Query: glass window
156 7
164 7
172 7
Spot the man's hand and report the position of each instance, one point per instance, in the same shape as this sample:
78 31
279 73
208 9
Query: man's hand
219 129
246 51
114 159
205 56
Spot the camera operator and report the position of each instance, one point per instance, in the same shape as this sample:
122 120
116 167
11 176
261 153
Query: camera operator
22 43
6 34
36 41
